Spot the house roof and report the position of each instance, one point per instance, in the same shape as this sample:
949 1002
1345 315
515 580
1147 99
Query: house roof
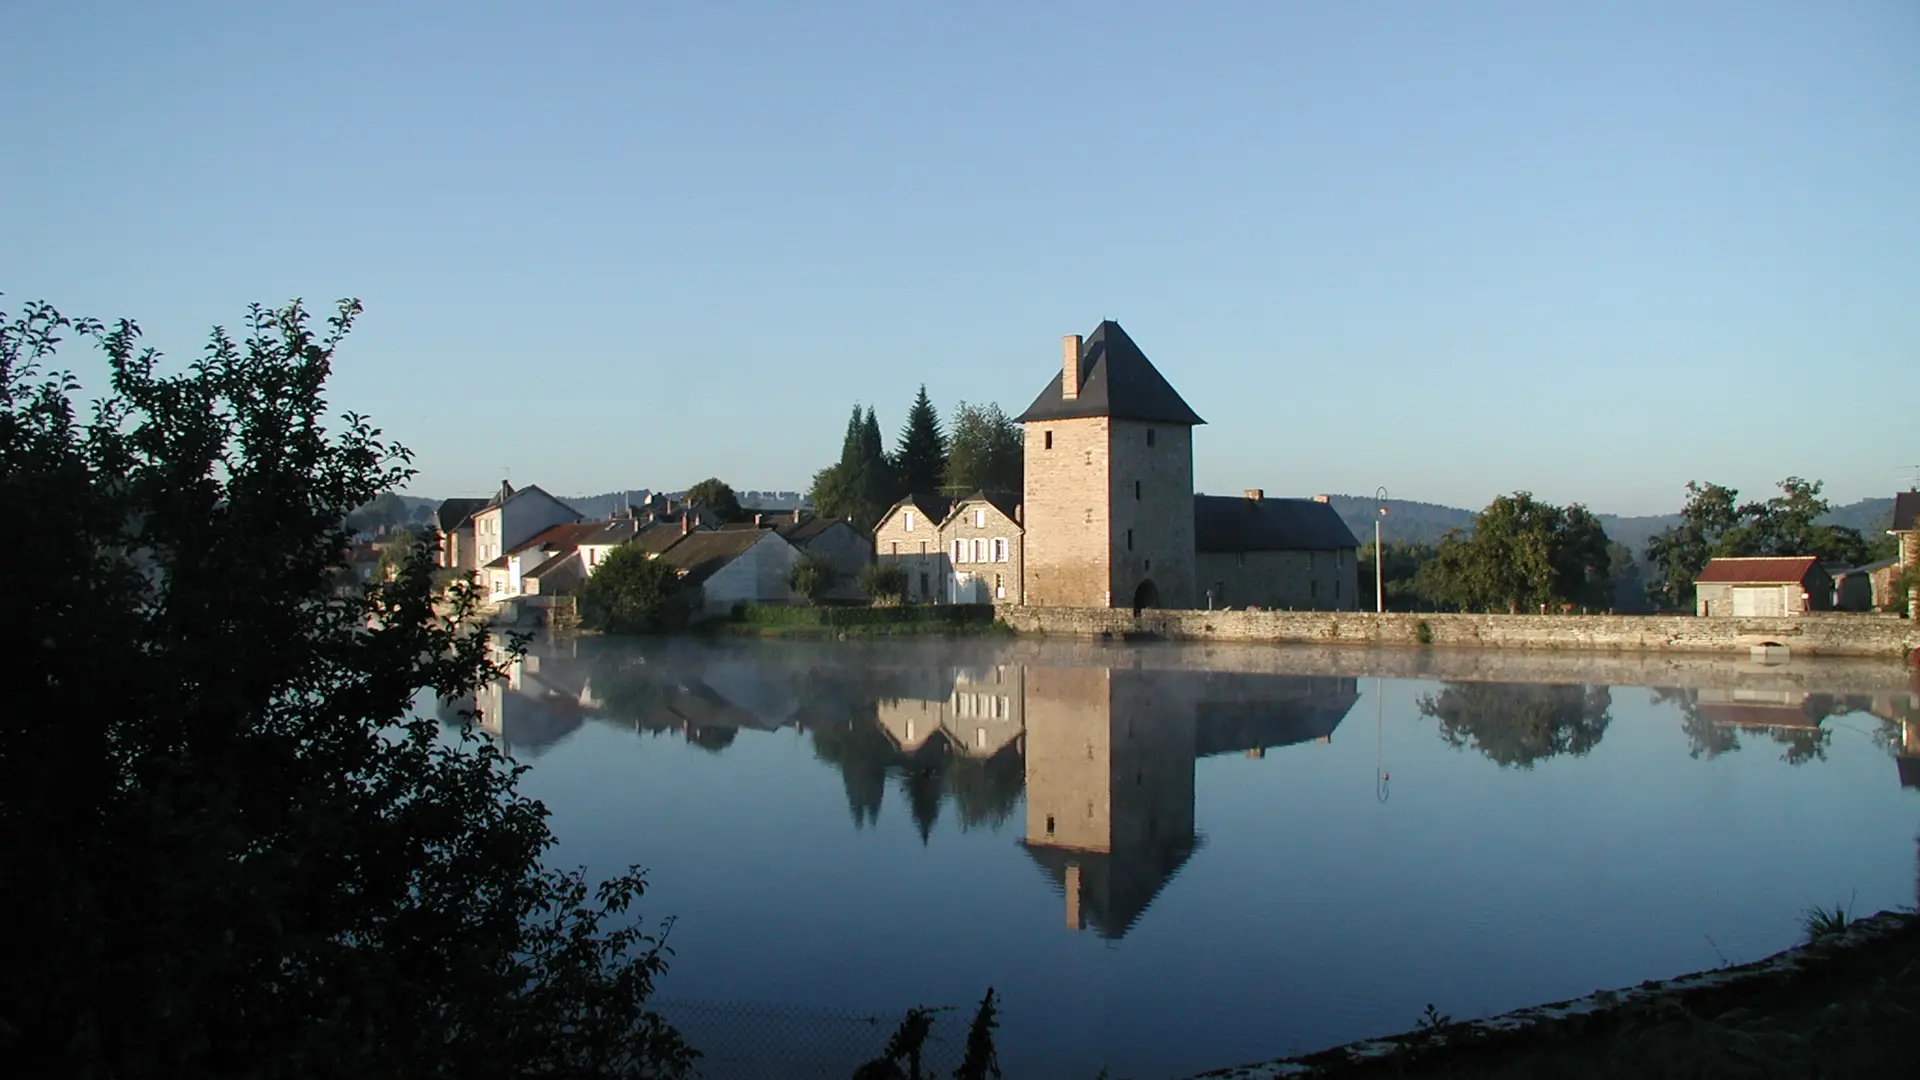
559 560
1116 380
1906 508
453 513
1791 570
932 507
511 494
561 537
1757 716
1004 501
1225 523
616 531
1866 569
658 537
1115 887
704 554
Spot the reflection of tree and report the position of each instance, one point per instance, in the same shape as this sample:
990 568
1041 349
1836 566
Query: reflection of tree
986 792
1709 736
861 752
713 739
1704 737
920 783
1520 723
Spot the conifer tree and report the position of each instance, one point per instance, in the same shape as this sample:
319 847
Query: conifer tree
920 459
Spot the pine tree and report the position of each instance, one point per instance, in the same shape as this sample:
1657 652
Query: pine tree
920 459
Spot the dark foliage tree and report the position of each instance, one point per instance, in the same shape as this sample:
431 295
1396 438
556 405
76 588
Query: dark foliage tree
858 487
631 593
1517 724
985 452
812 576
1401 563
1523 555
884 583
715 495
383 511
1714 525
920 457
1677 555
233 847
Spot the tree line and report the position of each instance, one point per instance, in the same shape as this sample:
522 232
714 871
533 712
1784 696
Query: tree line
1523 554
979 449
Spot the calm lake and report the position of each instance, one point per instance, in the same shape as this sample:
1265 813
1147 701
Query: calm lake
1172 858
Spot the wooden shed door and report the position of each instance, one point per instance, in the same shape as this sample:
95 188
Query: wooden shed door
1770 601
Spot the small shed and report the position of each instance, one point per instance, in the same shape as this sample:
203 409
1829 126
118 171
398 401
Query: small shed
1763 587
1863 588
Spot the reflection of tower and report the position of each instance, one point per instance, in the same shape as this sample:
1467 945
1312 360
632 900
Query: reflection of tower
1109 776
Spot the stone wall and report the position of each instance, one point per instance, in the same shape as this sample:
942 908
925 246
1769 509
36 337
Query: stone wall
1151 494
1834 634
1296 580
1068 540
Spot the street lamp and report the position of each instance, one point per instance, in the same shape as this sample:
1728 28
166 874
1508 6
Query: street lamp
1379 580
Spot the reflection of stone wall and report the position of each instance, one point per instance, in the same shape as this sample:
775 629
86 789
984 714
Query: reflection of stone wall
1822 635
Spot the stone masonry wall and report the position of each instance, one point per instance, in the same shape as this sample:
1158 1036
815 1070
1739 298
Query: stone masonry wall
1067 516
1833 634
1158 512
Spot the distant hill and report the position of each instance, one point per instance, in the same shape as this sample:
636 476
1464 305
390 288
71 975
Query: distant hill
609 503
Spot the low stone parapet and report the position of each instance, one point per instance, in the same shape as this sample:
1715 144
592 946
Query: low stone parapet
1816 635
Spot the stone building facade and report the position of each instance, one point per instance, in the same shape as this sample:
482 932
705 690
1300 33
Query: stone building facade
1282 554
985 544
908 537
1109 481
1762 587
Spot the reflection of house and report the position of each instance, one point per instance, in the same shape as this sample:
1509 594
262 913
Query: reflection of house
973 712
908 537
1251 714
536 705
1763 587
1274 553
1758 710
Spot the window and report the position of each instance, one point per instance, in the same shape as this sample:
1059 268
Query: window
1239 558
979 550
1149 436
1136 490
1000 549
1049 824
923 549
896 547
1336 590
1339 561
979 519
1313 589
1047 437
1149 565
1309 562
1129 539
999 590
909 521
959 551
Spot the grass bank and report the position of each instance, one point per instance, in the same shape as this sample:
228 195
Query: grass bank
942 620
1847 1005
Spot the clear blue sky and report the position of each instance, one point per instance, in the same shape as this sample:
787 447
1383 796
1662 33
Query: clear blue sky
1593 250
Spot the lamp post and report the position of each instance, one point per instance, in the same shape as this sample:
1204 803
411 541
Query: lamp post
1379 579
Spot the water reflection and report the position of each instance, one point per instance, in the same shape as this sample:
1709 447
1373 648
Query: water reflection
1517 724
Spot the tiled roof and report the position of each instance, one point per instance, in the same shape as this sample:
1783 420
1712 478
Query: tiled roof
565 537
1225 523
1759 571
1906 508
1117 380
704 554
453 513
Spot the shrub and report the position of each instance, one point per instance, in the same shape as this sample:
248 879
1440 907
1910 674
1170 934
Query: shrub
884 583
812 576
632 593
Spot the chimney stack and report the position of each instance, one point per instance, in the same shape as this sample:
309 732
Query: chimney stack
1256 494
686 522
1070 367
758 519
1322 499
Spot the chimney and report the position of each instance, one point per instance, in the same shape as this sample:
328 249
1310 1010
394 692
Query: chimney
506 489
686 523
1322 499
758 519
1070 367
1017 508
1255 494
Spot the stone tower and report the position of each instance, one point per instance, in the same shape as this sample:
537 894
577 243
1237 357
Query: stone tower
1109 485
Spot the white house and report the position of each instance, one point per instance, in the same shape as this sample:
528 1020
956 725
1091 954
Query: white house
734 566
512 518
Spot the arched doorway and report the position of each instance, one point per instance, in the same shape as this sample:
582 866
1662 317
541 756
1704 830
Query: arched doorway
1146 596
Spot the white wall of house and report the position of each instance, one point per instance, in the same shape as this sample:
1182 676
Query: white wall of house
529 512
757 575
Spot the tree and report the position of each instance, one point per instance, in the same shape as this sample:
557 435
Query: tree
1517 724
240 848
631 592
920 458
985 452
383 510
1523 555
716 496
859 487
1401 564
1712 525
811 577
884 583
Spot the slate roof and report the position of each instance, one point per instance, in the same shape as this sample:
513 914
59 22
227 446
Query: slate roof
657 538
553 564
704 554
1115 887
1226 523
1116 380
453 513
1906 508
1792 570
932 507
1004 501
562 537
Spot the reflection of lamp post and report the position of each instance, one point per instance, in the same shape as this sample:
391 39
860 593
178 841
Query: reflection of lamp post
1379 580
1380 776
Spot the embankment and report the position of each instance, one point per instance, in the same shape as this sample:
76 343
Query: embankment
1811 635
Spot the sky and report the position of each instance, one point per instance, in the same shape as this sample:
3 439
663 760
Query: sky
1592 251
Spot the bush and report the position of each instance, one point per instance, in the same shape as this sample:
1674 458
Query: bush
884 583
631 593
239 849
812 576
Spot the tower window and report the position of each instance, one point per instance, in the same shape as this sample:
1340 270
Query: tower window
1149 436
1048 437
1136 490
1129 539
